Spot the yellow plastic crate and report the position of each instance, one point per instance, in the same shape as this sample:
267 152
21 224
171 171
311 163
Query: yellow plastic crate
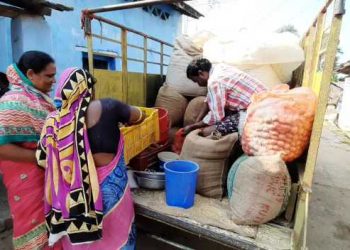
139 137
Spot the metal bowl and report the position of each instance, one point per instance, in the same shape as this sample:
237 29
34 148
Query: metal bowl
150 175
150 183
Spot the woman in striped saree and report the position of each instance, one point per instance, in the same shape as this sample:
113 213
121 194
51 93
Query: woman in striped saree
23 110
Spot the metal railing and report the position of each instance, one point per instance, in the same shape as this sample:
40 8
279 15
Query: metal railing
123 41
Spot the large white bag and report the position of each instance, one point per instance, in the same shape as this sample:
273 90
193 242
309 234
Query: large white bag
264 73
279 52
224 52
201 37
184 52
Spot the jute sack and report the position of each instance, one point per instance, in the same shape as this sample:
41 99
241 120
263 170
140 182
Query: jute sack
213 157
174 102
193 110
258 189
184 52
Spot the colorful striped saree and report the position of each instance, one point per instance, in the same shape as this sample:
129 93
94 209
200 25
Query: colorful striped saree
23 110
85 207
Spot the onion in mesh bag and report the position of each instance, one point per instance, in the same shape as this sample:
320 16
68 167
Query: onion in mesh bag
279 121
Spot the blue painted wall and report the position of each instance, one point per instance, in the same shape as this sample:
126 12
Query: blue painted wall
27 33
68 38
61 34
5 43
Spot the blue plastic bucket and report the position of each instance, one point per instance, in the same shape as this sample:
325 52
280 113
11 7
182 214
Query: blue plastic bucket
180 183
166 157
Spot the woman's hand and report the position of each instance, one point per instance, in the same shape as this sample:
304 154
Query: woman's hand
136 115
188 129
12 152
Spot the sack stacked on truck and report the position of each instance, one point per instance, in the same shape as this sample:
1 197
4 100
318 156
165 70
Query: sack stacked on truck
193 110
279 121
258 189
213 158
270 58
184 52
172 101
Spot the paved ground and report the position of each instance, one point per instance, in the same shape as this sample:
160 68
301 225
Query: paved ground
329 218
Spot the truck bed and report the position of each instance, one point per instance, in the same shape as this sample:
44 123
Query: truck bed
167 228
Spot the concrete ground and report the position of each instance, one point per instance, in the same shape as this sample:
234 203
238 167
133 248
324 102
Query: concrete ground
329 217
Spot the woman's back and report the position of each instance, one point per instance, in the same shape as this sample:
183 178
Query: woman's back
103 117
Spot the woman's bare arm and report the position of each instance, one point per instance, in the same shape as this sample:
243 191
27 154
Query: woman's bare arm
12 152
136 115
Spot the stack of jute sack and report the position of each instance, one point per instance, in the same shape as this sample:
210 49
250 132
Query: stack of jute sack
276 131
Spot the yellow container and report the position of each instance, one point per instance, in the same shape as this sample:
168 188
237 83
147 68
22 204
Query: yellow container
139 137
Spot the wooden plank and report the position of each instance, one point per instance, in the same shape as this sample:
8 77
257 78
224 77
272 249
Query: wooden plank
57 6
136 89
154 82
175 235
193 234
322 101
109 84
301 215
146 240
317 47
185 232
143 93
309 45
10 11
34 6
292 202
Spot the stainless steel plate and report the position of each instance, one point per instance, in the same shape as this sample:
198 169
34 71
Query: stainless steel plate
150 175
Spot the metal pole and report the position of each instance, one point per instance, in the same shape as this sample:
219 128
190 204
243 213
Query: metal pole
89 45
131 5
110 22
161 60
125 64
145 60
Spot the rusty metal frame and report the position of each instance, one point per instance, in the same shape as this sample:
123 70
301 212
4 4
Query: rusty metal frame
123 41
